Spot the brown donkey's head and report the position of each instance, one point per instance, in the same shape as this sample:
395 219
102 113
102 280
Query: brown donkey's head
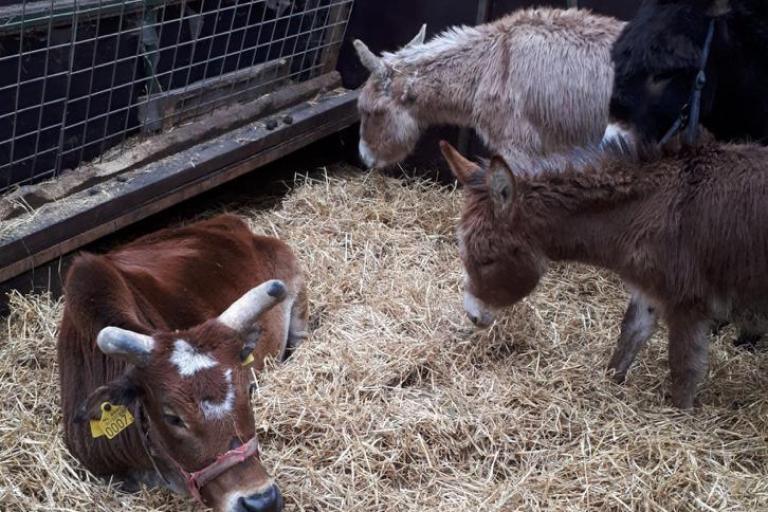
501 265
193 387
389 128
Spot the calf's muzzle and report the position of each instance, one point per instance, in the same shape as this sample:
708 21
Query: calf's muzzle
269 500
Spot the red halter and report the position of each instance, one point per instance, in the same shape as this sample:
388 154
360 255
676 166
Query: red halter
225 461
200 478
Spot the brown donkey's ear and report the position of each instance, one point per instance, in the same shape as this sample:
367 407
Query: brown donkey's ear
501 185
462 168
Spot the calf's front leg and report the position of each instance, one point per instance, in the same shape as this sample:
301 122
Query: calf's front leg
688 355
637 327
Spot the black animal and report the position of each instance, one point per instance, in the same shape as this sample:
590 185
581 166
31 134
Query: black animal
658 55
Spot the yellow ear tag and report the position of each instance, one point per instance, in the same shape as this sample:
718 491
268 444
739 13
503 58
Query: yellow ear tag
249 359
114 419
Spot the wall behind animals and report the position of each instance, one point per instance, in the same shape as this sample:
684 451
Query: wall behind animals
388 25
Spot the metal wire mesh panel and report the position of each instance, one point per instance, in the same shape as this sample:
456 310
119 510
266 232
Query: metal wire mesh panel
80 78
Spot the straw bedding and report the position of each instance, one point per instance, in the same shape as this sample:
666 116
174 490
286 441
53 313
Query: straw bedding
397 403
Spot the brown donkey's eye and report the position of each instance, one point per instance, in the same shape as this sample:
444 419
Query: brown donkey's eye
486 262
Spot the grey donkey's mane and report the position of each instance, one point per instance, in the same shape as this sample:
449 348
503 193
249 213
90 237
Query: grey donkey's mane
448 40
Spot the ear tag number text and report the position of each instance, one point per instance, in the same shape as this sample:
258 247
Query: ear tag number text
114 419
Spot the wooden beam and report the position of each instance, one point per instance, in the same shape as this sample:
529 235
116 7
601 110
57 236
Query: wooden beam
184 103
335 35
221 121
133 196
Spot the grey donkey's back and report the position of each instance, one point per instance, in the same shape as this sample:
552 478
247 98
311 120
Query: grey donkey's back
536 81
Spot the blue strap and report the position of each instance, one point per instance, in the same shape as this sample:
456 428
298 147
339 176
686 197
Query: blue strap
701 81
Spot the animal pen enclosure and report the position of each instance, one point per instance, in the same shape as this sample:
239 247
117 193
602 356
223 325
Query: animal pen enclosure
111 110
396 402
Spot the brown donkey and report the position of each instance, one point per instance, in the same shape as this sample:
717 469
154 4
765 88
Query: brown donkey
689 231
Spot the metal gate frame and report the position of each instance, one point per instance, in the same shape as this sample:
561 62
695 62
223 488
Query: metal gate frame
160 171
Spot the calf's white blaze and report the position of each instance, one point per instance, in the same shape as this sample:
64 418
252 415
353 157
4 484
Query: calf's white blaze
217 411
189 361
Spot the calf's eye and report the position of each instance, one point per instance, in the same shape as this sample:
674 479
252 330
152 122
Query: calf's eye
174 421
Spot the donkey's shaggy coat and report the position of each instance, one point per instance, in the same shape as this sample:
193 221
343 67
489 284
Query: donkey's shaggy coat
535 81
689 230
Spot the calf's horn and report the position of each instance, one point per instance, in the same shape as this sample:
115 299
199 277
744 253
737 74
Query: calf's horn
134 347
245 310
373 63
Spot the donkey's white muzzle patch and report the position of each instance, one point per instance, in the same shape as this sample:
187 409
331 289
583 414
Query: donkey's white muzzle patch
366 154
478 313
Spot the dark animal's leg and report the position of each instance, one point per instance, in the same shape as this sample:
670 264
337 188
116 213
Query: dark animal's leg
638 325
688 355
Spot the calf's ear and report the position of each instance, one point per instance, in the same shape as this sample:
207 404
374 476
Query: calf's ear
462 168
121 391
502 185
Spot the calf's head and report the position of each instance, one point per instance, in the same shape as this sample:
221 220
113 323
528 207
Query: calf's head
656 60
389 125
193 386
501 265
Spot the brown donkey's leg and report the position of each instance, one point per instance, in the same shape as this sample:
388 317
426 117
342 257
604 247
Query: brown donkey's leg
688 355
638 325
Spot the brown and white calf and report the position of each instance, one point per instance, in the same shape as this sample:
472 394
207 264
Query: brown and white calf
689 230
533 82
165 326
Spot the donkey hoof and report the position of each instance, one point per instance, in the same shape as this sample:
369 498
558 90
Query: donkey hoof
619 377
682 400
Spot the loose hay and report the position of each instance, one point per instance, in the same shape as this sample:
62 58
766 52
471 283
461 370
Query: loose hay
396 403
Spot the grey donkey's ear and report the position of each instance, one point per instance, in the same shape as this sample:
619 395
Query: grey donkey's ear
719 8
419 39
127 345
502 185
373 63
242 314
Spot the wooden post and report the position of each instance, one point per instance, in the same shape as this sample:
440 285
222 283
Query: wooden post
330 53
